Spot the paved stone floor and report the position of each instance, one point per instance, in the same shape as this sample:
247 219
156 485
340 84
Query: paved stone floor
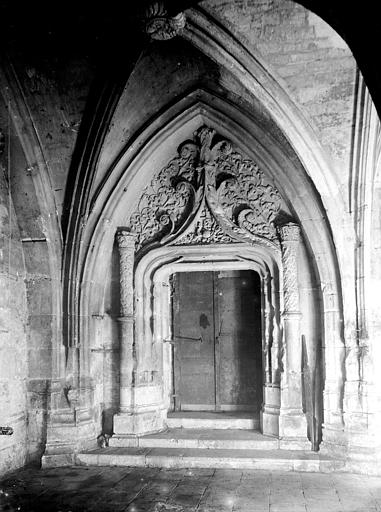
80 489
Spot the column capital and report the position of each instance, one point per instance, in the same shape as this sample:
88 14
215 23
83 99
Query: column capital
125 239
289 232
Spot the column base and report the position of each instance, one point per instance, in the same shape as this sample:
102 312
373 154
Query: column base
334 442
293 431
65 437
269 415
270 423
138 422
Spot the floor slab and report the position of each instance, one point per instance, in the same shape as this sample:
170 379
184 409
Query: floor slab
85 489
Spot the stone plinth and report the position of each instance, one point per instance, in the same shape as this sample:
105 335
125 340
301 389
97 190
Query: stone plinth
147 414
270 411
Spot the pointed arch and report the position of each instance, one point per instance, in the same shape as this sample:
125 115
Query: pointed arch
151 150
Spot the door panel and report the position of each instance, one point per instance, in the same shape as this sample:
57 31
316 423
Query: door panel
217 340
239 339
194 341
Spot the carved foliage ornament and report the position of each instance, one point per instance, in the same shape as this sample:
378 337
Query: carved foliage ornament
205 230
208 193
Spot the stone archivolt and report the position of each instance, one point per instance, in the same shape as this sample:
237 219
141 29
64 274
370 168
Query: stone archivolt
208 193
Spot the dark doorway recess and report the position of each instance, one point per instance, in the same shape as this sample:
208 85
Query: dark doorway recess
217 338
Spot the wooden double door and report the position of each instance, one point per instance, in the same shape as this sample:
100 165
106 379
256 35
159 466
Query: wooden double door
217 361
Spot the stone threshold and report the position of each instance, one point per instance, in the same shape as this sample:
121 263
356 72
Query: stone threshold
180 437
199 438
286 460
239 420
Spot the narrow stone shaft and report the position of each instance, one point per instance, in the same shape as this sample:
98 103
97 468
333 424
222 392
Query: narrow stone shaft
292 421
126 246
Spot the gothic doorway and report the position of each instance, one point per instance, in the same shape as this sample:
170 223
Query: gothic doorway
211 209
217 337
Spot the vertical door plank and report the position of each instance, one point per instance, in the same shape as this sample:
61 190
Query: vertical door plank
193 322
240 340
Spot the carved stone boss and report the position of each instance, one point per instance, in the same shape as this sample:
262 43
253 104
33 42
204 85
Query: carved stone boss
126 247
209 193
158 25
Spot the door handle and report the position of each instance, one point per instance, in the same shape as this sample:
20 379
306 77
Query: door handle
185 338
6 431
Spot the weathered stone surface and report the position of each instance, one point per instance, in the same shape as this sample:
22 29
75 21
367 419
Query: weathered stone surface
13 343
25 312
315 64
57 108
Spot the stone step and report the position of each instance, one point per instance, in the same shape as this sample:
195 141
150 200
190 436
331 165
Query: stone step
285 460
213 420
200 438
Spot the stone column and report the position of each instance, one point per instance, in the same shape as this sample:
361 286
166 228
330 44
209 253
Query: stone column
271 391
292 422
123 422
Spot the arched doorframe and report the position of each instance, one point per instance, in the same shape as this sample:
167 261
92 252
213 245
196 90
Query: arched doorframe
153 301
145 361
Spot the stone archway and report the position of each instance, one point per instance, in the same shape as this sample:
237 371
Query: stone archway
152 289
154 153
209 208
124 187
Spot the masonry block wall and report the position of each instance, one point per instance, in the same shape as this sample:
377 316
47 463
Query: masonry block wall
13 322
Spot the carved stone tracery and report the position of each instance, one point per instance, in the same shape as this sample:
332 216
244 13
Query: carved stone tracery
208 193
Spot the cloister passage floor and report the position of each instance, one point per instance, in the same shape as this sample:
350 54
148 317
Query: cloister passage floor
112 489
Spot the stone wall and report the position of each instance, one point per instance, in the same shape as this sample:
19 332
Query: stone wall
26 309
55 92
38 299
13 320
311 60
